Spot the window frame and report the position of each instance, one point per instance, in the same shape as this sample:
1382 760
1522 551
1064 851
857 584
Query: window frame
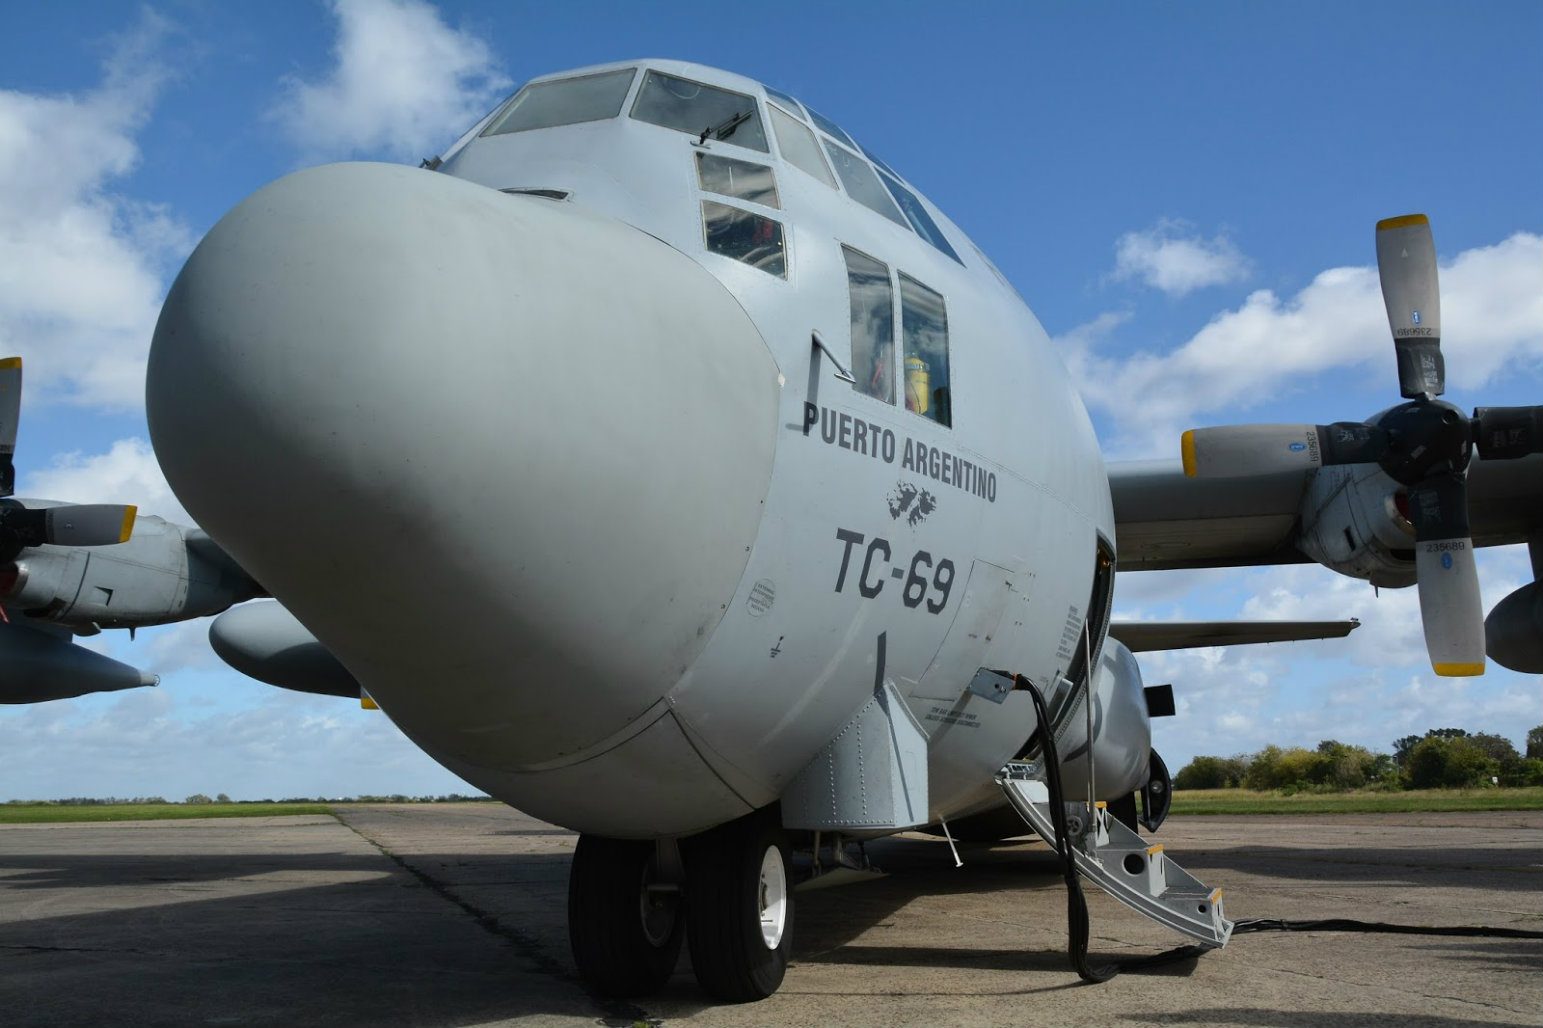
732 140
495 123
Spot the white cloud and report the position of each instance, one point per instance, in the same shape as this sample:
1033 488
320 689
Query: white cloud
404 84
1171 257
1492 319
81 267
126 473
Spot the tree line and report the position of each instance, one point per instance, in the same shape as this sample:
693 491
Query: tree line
1443 758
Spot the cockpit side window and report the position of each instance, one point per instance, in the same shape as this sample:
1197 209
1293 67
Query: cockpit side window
745 236
564 102
742 179
699 109
798 146
924 325
873 325
862 183
917 215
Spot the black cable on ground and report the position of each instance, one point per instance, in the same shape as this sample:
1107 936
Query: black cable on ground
1076 902
1345 924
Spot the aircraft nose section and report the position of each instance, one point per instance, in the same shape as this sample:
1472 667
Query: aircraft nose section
503 456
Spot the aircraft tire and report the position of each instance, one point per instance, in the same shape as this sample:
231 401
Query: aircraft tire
739 907
625 939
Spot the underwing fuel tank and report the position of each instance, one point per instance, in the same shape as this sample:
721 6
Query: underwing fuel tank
504 456
41 663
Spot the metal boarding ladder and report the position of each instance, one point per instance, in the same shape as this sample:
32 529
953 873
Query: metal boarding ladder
1119 861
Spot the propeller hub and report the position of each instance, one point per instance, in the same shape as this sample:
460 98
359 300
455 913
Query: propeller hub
1425 437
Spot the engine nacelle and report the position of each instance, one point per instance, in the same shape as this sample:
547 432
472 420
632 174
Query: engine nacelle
165 572
1122 731
1352 522
1513 632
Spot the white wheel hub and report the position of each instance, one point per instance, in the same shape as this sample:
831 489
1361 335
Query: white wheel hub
773 897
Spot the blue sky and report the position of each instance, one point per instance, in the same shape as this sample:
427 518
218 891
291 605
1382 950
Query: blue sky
1184 194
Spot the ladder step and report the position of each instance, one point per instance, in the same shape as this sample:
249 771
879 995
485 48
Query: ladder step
1120 862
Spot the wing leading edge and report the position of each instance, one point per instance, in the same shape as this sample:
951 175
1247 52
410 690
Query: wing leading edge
1166 520
1143 636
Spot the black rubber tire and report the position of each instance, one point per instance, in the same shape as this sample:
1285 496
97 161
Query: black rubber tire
613 951
729 954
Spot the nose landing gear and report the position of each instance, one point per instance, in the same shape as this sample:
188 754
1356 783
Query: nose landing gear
739 914
630 902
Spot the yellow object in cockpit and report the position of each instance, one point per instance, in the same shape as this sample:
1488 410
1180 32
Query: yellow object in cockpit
918 385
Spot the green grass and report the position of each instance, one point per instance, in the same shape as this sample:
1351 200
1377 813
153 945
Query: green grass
30 813
1246 801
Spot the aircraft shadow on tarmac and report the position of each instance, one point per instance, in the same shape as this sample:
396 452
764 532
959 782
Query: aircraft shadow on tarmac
338 938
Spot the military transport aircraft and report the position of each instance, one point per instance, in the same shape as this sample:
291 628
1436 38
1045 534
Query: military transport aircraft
665 465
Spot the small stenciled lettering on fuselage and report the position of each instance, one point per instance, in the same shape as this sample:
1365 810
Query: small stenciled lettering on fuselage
879 442
945 716
870 563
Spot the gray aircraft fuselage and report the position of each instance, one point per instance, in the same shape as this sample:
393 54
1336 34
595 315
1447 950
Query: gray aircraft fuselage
565 484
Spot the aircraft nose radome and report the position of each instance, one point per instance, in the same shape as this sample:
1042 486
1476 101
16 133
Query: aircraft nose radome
504 456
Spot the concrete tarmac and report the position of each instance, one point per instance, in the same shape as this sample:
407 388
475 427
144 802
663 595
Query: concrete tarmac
455 915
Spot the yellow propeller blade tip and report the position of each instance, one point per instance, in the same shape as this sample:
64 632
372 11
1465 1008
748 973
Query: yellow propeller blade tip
9 362
1402 221
1187 447
366 703
1459 670
128 523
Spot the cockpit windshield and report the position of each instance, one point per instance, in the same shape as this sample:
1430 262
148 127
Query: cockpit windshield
700 110
564 102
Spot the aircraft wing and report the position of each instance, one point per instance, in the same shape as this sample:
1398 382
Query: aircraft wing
1143 636
1164 519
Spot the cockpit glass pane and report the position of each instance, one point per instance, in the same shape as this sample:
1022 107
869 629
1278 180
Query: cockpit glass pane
798 146
862 184
873 325
785 100
830 128
697 108
886 169
917 215
565 102
924 326
754 182
744 236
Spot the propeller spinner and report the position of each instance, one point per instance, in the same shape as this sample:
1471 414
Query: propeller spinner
1425 444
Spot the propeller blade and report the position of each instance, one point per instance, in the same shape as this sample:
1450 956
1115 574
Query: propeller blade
1505 433
1406 263
84 524
1235 451
10 418
88 524
1448 579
